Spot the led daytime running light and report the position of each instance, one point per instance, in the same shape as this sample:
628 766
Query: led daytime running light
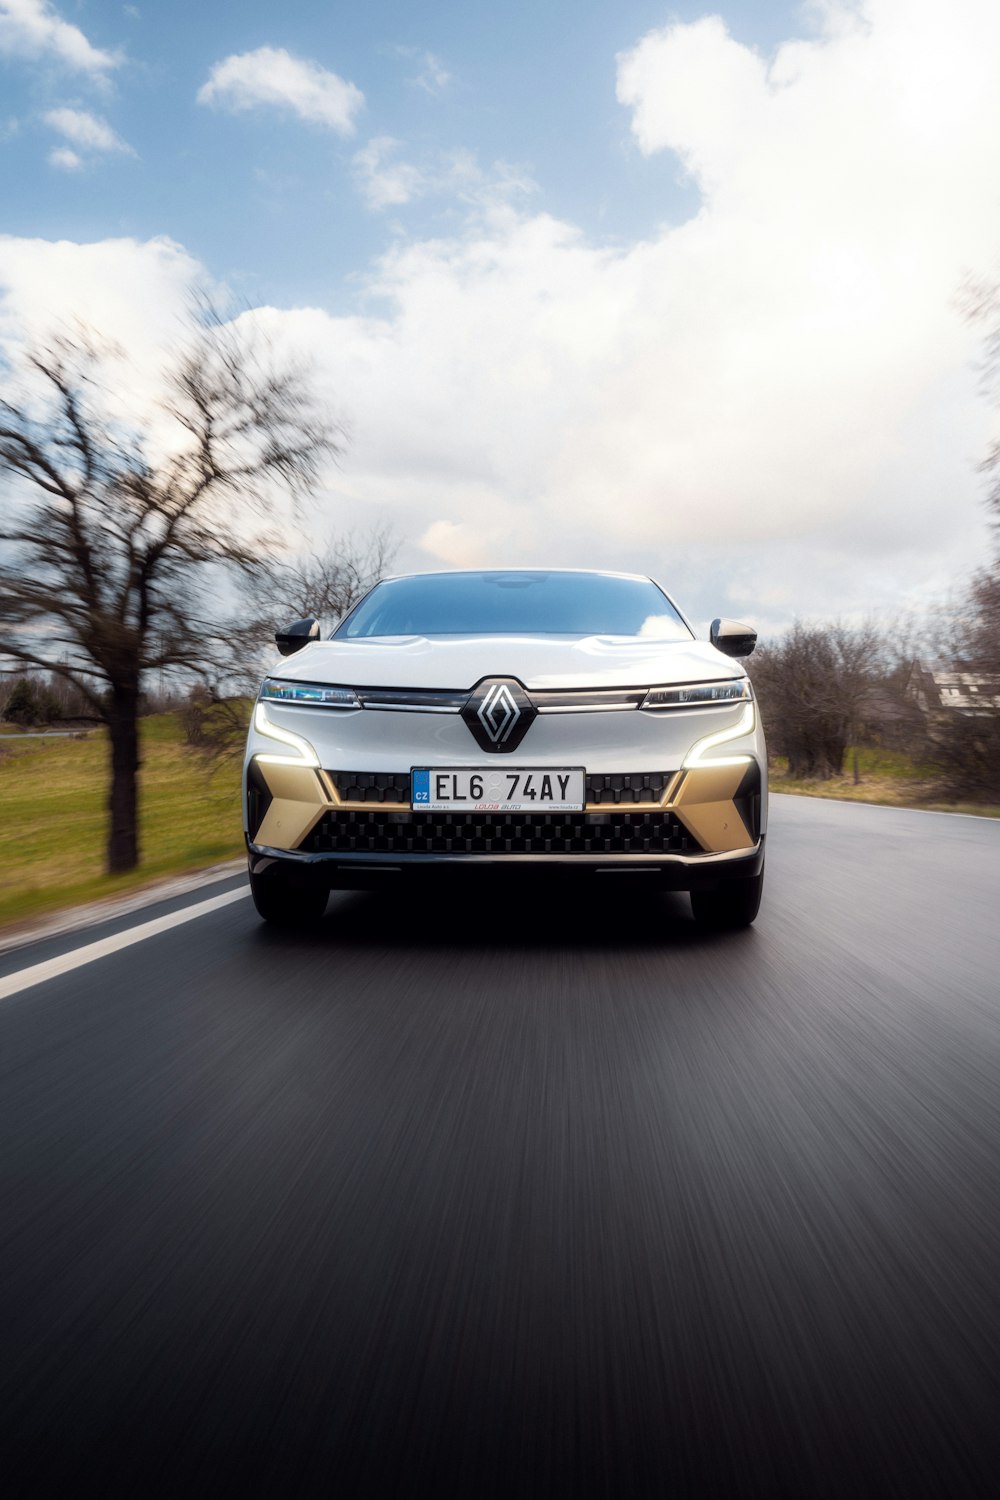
696 756
304 752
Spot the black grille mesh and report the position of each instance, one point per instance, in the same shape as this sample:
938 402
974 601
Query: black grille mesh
375 832
618 790
372 786
621 789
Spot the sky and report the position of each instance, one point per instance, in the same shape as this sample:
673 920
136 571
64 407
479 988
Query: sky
670 288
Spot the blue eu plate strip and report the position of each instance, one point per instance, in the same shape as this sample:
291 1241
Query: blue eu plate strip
421 787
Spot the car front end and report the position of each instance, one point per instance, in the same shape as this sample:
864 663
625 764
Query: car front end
535 753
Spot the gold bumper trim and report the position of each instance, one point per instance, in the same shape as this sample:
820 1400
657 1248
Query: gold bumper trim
298 801
701 798
704 803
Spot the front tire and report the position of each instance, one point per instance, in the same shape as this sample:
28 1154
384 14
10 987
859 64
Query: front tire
286 903
731 906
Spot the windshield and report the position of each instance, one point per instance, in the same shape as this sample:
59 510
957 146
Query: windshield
516 604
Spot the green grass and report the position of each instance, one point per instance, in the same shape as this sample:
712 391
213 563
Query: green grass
53 822
888 777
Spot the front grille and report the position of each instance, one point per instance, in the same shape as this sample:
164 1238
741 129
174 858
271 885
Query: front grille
376 832
371 786
618 790
621 789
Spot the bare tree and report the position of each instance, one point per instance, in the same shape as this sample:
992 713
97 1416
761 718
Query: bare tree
815 686
326 582
981 304
963 730
964 742
981 643
119 530
980 638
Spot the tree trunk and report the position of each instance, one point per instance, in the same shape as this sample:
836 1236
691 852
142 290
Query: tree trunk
123 729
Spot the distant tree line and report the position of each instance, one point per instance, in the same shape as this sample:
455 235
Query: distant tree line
31 700
46 699
816 686
828 690
964 745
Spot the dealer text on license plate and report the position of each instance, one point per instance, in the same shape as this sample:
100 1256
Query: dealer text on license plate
478 789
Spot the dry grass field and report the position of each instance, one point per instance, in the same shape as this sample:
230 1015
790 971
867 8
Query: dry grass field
52 816
885 777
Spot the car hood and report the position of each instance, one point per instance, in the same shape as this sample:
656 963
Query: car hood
457 663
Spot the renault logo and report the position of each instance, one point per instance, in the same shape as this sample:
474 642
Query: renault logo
499 714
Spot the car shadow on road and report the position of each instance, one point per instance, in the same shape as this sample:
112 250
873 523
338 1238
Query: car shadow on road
511 918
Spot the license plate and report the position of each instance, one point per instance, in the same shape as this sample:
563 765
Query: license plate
532 789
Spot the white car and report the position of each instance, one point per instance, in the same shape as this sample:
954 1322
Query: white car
528 723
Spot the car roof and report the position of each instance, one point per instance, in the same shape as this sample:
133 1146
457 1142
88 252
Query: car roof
478 572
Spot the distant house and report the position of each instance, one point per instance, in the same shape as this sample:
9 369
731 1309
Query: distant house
937 688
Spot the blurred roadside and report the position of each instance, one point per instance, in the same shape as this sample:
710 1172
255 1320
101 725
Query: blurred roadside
53 827
53 795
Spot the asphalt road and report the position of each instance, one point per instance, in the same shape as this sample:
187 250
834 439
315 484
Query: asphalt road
481 1198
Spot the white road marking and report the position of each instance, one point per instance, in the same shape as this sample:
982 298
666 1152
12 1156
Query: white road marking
928 812
23 979
110 908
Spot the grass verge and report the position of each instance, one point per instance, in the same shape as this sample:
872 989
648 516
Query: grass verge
887 778
53 819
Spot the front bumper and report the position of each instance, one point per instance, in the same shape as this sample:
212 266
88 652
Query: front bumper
683 830
353 872
710 809
674 816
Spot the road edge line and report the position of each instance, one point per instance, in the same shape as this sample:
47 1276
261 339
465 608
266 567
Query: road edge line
109 908
76 958
929 812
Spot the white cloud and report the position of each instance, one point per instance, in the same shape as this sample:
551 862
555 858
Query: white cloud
382 181
133 299
272 76
386 181
132 293
457 544
65 159
663 80
777 394
87 131
432 75
133 302
773 406
34 29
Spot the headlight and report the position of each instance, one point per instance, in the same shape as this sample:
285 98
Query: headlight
307 694
699 694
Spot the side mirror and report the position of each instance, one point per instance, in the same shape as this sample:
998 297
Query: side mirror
732 638
297 635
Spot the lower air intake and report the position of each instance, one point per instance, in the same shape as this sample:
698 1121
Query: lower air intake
363 832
